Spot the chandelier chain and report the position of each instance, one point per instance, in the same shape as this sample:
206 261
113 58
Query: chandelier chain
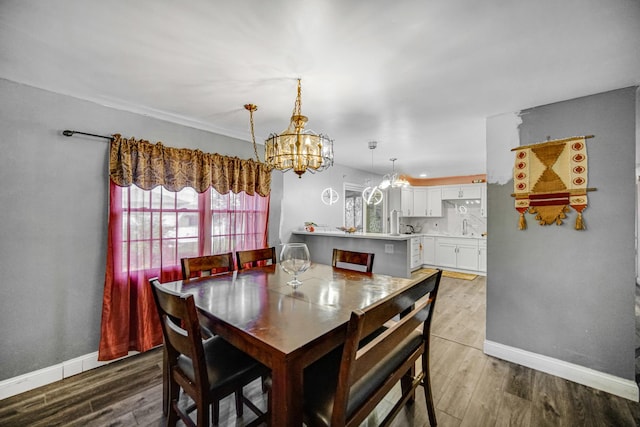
251 109
297 108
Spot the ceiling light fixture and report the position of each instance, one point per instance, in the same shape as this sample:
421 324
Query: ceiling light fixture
372 195
296 148
393 180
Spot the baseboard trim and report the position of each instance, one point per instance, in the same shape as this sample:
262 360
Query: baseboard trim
30 380
569 371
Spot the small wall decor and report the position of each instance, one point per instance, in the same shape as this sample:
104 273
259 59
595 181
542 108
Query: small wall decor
329 196
550 176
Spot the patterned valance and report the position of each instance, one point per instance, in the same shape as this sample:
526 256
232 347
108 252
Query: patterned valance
148 165
549 177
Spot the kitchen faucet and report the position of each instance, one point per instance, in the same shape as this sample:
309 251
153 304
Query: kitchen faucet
464 227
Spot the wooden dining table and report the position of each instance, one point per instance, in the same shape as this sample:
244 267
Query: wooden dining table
284 328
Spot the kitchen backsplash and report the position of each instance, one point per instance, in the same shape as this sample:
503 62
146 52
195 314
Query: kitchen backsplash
452 222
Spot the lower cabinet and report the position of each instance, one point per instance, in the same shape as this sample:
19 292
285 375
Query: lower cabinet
460 253
428 250
457 253
416 252
482 255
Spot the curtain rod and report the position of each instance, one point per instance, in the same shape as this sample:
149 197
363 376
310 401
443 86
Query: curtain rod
68 132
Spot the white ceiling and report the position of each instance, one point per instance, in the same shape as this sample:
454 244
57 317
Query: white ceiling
418 76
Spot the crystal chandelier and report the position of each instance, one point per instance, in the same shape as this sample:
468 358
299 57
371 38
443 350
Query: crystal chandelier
296 147
393 180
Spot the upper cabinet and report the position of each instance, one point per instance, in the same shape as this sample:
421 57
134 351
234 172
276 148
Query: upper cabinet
418 201
427 201
467 191
434 201
406 202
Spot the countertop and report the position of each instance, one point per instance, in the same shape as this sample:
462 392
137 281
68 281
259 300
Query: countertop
380 236
356 235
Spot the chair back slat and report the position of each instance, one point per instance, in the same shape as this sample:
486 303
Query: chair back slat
206 265
254 257
389 307
361 261
369 355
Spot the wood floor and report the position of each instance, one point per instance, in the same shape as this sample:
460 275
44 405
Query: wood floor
470 388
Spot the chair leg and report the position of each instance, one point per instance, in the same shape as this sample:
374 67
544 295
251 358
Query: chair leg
203 412
172 404
166 398
239 403
215 412
431 410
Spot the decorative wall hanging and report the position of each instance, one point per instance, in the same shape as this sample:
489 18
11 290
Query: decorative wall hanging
550 176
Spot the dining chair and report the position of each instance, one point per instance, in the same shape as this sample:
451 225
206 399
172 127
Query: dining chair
251 258
206 265
361 261
206 371
343 387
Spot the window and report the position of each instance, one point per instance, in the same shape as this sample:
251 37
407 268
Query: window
237 222
160 227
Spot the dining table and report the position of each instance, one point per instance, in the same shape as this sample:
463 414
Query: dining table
287 328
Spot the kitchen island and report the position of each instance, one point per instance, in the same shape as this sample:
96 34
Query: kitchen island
392 253
401 254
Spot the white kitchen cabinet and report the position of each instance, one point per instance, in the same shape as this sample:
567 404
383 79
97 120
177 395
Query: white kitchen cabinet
454 192
446 254
413 201
416 252
434 202
420 202
482 255
417 201
429 250
457 253
406 201
467 257
483 201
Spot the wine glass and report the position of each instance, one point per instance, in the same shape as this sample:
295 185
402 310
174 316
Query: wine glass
294 259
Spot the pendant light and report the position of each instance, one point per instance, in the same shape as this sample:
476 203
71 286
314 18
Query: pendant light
393 180
372 195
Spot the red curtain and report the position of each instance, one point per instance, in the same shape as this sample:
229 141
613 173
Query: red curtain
149 232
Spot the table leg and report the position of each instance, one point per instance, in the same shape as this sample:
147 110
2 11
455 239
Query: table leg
286 395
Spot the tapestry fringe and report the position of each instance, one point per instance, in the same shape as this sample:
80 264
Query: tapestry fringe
579 223
522 224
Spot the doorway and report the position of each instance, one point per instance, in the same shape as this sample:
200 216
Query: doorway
357 214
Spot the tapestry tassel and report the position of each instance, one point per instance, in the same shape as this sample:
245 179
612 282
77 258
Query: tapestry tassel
579 223
522 224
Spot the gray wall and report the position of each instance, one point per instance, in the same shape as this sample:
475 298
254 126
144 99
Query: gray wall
53 218
302 200
553 290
